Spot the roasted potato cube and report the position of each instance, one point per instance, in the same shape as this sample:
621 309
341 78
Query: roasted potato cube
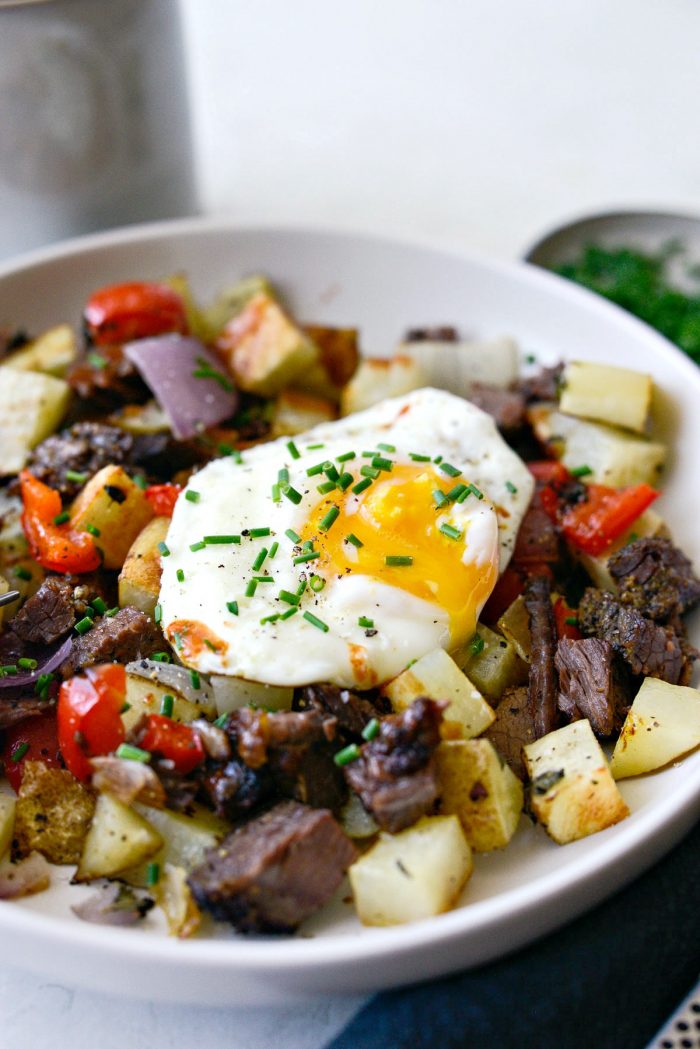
263 347
662 724
186 837
117 507
141 418
376 379
7 822
437 676
145 695
53 814
514 624
139 579
232 693
118 838
173 896
339 357
454 366
481 791
52 352
229 303
572 793
196 320
491 663
31 407
615 457
617 396
411 875
648 524
296 412
356 821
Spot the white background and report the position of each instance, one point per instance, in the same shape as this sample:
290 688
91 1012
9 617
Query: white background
474 124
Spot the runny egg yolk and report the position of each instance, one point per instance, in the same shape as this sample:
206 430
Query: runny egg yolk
397 515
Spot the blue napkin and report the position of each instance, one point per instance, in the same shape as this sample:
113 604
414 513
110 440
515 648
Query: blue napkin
609 980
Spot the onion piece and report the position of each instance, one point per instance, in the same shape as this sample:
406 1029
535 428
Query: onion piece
127 781
30 875
187 379
214 740
27 678
113 904
175 899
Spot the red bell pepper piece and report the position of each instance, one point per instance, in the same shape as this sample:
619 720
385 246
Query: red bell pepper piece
34 739
180 743
565 619
162 498
608 512
137 310
89 718
549 471
57 547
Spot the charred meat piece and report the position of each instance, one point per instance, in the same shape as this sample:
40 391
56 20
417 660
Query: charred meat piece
592 684
53 610
647 647
275 871
84 449
234 789
542 684
440 333
107 378
543 386
513 728
656 578
537 541
128 635
506 407
12 711
395 774
352 711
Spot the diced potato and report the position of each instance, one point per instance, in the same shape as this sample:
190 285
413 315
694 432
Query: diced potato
232 693
144 696
52 352
263 347
615 457
186 836
437 676
454 366
119 838
139 579
114 504
411 875
141 418
339 357
356 821
31 407
173 896
617 396
229 303
494 667
662 724
53 813
481 791
196 320
514 624
7 822
296 412
648 524
572 792
376 379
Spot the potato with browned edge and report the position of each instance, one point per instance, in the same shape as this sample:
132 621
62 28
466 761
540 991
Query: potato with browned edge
115 508
139 579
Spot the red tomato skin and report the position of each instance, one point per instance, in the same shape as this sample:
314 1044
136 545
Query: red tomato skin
40 733
173 740
57 548
136 310
89 719
162 498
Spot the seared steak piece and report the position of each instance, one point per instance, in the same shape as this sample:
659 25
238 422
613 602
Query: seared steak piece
53 610
351 710
128 635
543 386
513 728
592 684
234 789
395 774
656 578
275 871
107 378
84 448
439 333
14 710
542 683
647 647
506 407
537 541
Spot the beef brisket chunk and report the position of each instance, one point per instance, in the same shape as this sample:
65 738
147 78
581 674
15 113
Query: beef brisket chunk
513 729
542 683
12 711
543 385
395 774
351 710
656 578
84 448
128 635
53 610
275 871
234 790
107 378
647 647
506 407
537 541
592 684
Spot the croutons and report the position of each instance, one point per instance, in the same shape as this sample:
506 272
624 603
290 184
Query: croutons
139 579
481 791
31 407
53 813
662 724
114 505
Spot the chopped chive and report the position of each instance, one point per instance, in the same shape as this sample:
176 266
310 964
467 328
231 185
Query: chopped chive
99 605
251 588
263 579
96 360
570 621
61 518
326 487
25 663
276 493
161 657
387 447
380 463
344 481
371 730
90 612
370 471
22 573
437 459
450 470
511 487
398 560
288 598
19 751
345 457
454 493
294 536
450 531
293 450
365 622
195 679
302 587
92 529
362 485
316 469
258 562
419 458
290 612
194 547
352 538
9 668
219 540
317 583
152 874
308 545
221 720
315 621
83 625
113 611
270 619
370 455
166 705
329 518
76 475
180 575
581 471
205 371
163 549
347 754
440 498
42 685
210 645
157 613
313 447
474 491
192 496
476 645
273 549
330 471
124 707
226 449
310 556
232 607
140 482
283 476
258 533
131 753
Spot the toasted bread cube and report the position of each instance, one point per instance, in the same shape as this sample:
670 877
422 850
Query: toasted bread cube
376 379
139 579
455 366
53 352
415 874
7 822
617 396
296 412
53 813
263 347
662 724
117 507
615 457
648 524
572 792
481 790
491 663
339 357
514 624
437 676
118 838
31 407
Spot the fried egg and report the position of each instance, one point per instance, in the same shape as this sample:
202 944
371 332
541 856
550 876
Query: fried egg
347 552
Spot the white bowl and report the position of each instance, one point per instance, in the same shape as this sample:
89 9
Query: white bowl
515 895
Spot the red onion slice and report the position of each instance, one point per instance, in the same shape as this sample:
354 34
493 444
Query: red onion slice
26 679
113 904
187 379
30 875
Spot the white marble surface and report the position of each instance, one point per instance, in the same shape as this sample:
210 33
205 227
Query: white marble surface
474 124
